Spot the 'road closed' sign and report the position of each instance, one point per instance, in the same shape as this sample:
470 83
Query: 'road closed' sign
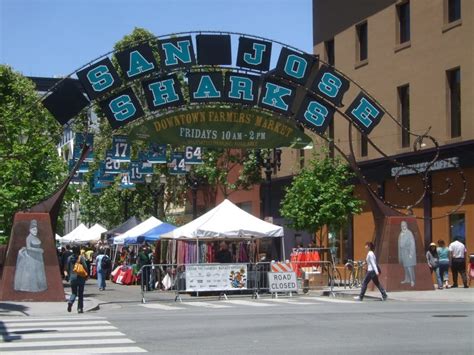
282 282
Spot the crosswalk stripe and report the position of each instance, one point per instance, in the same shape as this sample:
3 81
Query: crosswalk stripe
62 329
328 300
205 305
66 323
290 301
121 350
21 336
161 306
65 343
249 303
26 320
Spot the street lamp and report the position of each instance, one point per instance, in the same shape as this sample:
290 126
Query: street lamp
157 193
193 182
271 164
126 198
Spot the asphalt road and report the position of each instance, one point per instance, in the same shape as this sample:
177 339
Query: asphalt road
299 326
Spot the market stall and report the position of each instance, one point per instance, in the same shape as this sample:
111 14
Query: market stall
138 230
75 235
148 231
224 222
198 244
92 235
124 227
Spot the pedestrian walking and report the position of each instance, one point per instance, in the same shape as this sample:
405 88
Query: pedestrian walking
101 264
458 261
433 263
65 257
77 280
143 259
372 273
443 255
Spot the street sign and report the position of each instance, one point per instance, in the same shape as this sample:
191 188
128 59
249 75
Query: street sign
282 282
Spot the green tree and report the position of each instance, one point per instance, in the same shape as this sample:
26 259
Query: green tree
229 170
321 195
30 167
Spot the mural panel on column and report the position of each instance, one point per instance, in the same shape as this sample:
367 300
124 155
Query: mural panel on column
31 271
401 255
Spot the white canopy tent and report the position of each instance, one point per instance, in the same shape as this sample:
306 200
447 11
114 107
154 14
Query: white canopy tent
92 235
138 230
226 221
75 234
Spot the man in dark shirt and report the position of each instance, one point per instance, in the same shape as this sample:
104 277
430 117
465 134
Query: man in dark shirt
224 255
66 254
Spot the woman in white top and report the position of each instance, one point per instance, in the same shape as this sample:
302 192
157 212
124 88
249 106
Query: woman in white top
372 273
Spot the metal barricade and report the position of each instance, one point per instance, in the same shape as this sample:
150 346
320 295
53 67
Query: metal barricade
164 278
171 278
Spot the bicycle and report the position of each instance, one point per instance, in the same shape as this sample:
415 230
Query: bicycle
356 273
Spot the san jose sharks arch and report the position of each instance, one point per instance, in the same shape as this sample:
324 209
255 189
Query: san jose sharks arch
221 89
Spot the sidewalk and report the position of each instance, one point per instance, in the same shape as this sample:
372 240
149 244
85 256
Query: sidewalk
116 294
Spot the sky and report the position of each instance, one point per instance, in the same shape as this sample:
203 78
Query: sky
54 38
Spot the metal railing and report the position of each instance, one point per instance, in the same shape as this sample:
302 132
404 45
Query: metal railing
197 279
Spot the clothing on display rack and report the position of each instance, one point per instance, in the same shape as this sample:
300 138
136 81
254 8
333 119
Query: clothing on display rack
304 258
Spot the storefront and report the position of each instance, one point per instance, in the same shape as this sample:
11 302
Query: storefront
447 187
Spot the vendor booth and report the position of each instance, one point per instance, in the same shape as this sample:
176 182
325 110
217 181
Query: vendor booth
148 231
75 235
138 230
196 240
124 227
92 235
219 251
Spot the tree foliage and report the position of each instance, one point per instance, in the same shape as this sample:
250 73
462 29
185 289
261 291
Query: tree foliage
320 195
30 170
229 170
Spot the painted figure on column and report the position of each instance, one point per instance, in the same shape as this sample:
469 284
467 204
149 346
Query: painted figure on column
407 253
30 274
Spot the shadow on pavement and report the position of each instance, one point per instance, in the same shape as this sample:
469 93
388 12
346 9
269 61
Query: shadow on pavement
12 307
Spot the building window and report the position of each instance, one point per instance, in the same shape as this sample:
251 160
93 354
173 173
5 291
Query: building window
364 146
246 206
457 227
362 50
404 113
403 14
454 10
454 97
340 242
329 48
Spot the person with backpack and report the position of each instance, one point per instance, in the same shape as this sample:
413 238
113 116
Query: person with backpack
77 274
103 265
143 261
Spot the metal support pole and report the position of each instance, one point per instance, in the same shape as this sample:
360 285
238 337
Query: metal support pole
268 187
194 194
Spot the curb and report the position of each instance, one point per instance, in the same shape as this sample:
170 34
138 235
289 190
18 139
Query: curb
342 294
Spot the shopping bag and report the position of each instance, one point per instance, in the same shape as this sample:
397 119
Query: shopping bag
79 269
167 282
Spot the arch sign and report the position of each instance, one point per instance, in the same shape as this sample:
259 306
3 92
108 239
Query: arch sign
195 90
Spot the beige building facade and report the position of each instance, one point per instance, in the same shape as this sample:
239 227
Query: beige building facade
416 59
